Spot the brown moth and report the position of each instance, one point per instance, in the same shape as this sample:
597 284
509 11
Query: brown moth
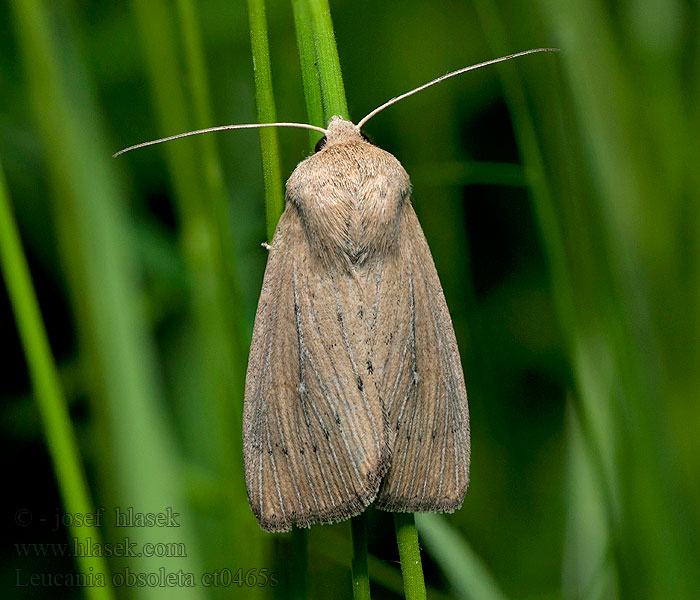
354 390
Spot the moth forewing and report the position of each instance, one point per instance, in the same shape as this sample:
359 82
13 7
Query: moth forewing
428 414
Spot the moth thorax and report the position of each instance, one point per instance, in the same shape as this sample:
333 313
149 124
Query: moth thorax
349 197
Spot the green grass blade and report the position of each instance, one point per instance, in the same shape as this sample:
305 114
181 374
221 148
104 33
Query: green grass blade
49 394
331 544
265 102
227 297
309 72
469 577
331 77
335 103
360 575
409 554
587 571
320 65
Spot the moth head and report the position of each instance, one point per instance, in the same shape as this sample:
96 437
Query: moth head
340 131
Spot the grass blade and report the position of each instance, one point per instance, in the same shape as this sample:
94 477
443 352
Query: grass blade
334 101
360 575
468 575
265 102
49 394
409 553
309 72
587 571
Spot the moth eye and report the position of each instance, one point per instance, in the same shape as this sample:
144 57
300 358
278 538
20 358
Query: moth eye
320 144
366 137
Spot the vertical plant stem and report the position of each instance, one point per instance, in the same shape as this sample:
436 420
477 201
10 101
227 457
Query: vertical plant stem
334 101
217 214
360 574
309 72
265 101
50 398
409 554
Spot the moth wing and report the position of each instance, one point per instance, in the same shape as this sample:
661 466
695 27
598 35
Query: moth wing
315 434
422 382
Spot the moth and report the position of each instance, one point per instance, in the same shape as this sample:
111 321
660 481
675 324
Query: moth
354 390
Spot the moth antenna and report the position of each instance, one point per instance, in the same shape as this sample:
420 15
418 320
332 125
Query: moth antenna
219 128
447 76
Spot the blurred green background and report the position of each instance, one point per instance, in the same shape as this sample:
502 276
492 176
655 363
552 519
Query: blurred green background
559 194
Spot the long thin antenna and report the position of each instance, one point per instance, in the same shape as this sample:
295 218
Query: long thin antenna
324 131
219 128
447 76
